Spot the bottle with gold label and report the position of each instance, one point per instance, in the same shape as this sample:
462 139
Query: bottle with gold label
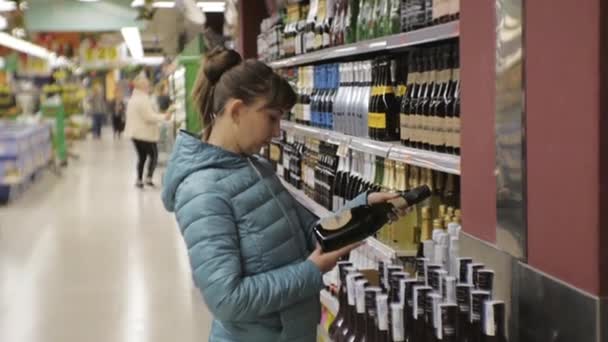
358 223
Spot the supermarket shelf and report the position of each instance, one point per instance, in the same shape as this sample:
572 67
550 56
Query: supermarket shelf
317 209
330 302
432 160
388 43
373 247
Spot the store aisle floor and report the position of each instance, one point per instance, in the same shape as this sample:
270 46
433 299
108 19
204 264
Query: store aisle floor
88 257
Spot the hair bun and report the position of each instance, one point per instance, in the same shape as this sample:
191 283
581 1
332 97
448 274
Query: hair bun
218 61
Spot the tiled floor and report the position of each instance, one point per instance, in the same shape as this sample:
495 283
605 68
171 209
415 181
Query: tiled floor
86 257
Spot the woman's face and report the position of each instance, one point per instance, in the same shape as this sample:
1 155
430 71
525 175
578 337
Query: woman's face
256 126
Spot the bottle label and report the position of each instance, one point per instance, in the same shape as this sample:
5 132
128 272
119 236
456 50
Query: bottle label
463 294
382 308
401 90
397 322
376 120
477 301
337 221
360 293
489 327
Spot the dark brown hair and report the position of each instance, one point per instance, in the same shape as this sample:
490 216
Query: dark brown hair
224 75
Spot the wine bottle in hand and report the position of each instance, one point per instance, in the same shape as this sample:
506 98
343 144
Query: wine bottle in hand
356 224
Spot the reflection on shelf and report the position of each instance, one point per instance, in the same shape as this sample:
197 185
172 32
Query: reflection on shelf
393 42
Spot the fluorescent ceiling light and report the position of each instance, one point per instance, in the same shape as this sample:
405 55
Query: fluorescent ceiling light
7 6
133 40
151 60
137 3
23 46
212 6
163 4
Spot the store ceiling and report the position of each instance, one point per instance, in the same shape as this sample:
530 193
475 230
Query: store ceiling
159 35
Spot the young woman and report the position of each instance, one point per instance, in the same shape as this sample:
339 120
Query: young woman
251 247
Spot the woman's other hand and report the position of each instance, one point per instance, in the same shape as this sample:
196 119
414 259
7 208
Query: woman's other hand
326 261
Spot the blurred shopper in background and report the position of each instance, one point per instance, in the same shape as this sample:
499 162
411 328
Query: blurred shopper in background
251 247
98 109
118 115
142 127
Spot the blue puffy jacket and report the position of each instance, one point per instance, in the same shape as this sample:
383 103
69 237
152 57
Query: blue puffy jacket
248 241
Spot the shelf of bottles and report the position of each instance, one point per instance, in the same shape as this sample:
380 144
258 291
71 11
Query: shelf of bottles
310 31
442 296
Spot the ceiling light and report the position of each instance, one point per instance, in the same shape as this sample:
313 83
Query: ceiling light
163 4
133 40
137 3
149 60
212 6
7 6
23 46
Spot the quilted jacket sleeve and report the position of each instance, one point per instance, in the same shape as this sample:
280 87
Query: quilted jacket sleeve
211 237
308 219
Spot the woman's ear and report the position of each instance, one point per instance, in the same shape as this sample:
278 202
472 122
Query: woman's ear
234 108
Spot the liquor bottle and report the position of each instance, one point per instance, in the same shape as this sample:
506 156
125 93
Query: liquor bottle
494 321
351 21
439 107
394 286
362 20
478 297
453 112
416 105
426 100
411 88
431 308
343 268
359 330
364 98
348 327
473 272
356 224
395 17
397 322
485 278
421 267
463 298
371 295
418 312
447 323
383 116
382 334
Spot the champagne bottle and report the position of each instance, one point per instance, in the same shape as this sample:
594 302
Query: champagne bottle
418 311
478 298
383 318
463 298
371 317
358 223
359 332
494 321
343 268
348 327
447 323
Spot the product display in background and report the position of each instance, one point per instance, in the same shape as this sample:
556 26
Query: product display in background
308 26
24 150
